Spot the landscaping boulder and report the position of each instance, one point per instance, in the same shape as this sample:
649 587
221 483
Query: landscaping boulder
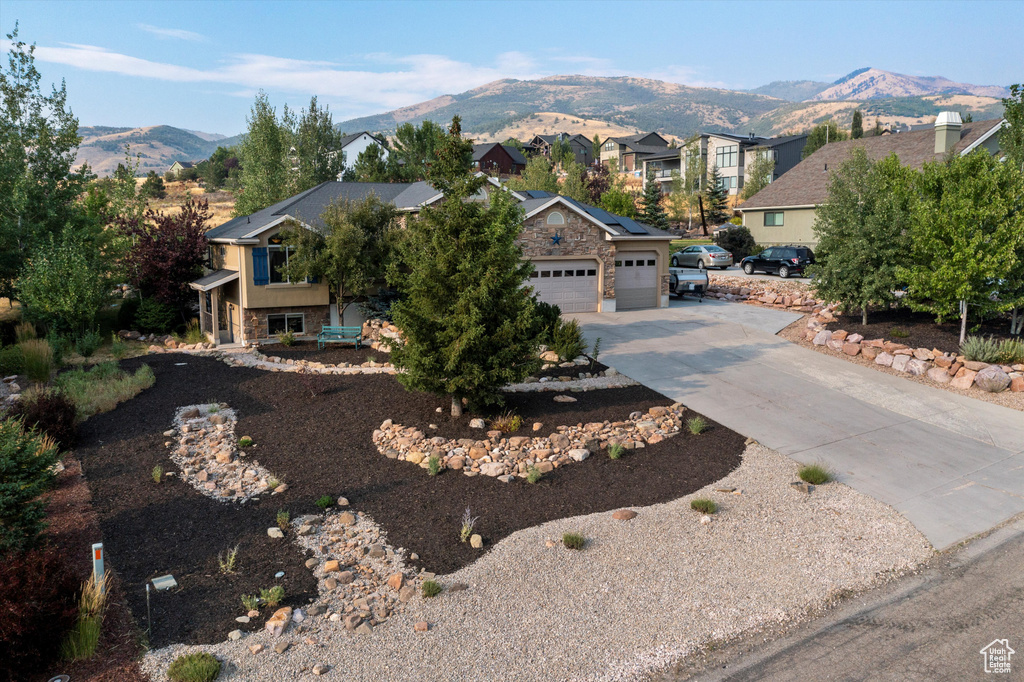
1017 384
899 362
579 454
975 366
492 468
992 379
279 621
964 378
917 367
822 337
939 375
884 359
851 348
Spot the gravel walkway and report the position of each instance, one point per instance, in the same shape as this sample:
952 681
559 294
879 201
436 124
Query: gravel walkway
643 593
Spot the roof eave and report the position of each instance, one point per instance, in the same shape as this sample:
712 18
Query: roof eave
774 208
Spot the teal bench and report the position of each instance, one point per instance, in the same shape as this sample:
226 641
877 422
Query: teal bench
332 334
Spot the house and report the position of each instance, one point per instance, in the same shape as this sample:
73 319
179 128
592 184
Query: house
731 154
783 212
586 259
354 145
582 147
497 158
626 154
178 166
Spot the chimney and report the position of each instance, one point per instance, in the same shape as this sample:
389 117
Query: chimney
947 131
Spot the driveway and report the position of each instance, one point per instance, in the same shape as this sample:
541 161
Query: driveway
952 465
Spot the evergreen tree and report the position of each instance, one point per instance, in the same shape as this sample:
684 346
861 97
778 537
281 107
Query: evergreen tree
857 127
468 326
863 232
265 164
371 166
153 187
651 212
317 148
823 134
877 130
716 199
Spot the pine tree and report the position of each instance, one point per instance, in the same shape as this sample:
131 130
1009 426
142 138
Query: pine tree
468 326
264 177
651 211
716 199
857 127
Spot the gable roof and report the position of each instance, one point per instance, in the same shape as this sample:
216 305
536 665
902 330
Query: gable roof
185 164
615 225
346 140
481 150
806 184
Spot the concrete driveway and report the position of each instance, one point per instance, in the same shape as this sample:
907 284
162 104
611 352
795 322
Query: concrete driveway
952 465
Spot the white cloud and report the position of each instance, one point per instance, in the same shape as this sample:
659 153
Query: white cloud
176 33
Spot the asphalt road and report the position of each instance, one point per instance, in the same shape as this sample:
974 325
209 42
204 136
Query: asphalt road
928 626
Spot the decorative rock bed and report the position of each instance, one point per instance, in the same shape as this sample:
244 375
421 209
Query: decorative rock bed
940 367
510 457
783 294
10 391
207 454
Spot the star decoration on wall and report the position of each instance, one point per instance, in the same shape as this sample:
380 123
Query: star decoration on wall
557 239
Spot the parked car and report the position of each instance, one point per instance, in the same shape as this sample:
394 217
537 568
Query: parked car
781 260
702 256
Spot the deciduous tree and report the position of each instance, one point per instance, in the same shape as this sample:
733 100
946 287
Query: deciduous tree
265 165
62 285
539 174
760 170
822 134
317 148
1011 136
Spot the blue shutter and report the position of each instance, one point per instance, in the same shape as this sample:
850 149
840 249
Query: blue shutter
260 266
314 279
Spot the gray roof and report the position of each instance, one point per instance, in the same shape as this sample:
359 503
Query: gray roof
481 150
414 195
214 279
346 139
621 225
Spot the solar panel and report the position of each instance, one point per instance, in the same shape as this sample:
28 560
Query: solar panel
631 226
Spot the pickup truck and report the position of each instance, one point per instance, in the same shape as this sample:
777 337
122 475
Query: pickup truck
686 281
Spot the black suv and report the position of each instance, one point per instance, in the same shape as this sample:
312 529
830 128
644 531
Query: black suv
781 260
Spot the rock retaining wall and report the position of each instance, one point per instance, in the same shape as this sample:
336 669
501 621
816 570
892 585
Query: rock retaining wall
785 294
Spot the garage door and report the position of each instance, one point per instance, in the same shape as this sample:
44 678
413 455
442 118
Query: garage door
569 284
636 280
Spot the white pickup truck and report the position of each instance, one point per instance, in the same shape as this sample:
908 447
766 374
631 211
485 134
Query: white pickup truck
688 281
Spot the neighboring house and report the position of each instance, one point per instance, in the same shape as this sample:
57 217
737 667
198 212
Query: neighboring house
497 158
582 147
783 212
626 154
587 260
732 155
179 166
354 145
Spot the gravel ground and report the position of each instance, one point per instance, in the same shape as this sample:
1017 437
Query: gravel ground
642 594
614 381
795 333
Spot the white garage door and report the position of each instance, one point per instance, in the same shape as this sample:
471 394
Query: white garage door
569 284
636 280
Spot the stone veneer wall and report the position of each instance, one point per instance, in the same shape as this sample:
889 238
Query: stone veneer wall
580 239
255 319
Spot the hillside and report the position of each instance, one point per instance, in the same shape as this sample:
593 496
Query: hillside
630 103
549 122
869 83
157 146
792 91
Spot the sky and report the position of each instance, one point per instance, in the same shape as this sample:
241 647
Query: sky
198 65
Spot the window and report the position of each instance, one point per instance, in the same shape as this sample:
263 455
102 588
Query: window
278 259
533 275
650 263
618 264
774 219
556 218
629 264
609 146
545 273
591 273
556 273
727 182
727 157
581 273
569 273
280 323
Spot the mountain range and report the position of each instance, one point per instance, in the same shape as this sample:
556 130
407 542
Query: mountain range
609 106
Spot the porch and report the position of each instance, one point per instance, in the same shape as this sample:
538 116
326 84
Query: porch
219 307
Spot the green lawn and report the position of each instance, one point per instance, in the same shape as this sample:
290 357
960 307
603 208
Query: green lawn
678 244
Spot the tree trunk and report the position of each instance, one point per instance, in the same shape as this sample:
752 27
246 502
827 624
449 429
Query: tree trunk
456 406
703 221
963 322
864 316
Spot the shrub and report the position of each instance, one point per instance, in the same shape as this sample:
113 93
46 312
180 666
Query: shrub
573 540
548 316
38 603
154 317
272 483
127 313
507 423
227 560
324 501
287 338
38 359
118 348
273 596
898 333
431 588
468 521
197 667
11 361
616 450
815 474
533 474
88 343
102 387
696 425
980 349
434 465
51 413
158 474
194 333
1011 351
567 340
283 517
60 346
251 602
738 241
704 505
244 442
595 352
25 331
81 642
26 471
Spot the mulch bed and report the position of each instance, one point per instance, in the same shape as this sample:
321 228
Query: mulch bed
332 354
915 329
322 445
